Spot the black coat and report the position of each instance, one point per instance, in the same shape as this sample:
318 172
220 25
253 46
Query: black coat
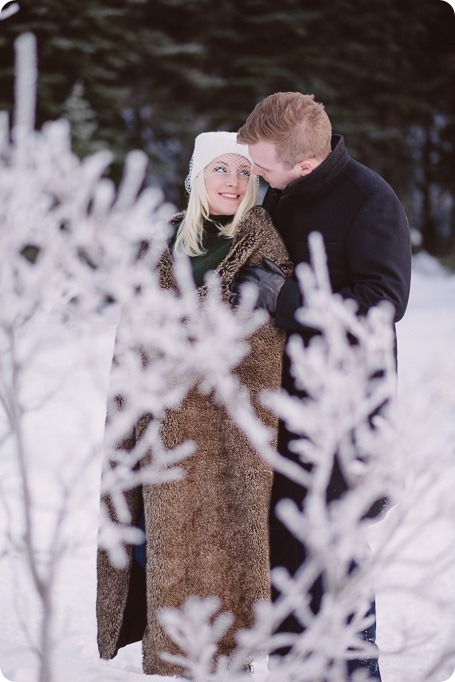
367 241
365 231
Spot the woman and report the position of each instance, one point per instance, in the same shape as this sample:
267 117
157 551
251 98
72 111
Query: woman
207 534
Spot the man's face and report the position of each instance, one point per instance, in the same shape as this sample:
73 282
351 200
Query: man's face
267 166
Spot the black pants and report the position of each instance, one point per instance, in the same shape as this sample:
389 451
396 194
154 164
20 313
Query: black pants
287 551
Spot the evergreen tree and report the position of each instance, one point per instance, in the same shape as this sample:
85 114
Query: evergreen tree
82 119
154 75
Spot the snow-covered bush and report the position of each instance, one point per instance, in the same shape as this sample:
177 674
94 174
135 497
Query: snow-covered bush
404 450
72 247
345 383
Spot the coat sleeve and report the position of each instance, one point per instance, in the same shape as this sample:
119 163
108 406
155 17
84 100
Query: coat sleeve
379 254
378 249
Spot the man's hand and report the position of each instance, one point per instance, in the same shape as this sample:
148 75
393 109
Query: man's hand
268 279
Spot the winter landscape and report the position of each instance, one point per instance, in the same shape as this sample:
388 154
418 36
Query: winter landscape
64 231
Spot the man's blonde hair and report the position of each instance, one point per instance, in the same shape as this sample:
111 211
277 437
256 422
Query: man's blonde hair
190 235
298 126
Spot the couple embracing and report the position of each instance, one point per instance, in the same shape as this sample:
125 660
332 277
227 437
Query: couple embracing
215 531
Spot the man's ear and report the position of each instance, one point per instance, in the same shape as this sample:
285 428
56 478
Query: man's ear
307 166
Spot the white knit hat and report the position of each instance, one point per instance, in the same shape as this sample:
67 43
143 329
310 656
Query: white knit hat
208 146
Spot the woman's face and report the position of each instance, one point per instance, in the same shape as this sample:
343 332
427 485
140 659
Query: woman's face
226 181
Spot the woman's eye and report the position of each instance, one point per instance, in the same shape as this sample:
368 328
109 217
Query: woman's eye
244 172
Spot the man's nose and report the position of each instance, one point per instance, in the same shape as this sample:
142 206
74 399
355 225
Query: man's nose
257 170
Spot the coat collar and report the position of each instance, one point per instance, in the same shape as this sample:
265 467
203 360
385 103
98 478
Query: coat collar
325 173
247 236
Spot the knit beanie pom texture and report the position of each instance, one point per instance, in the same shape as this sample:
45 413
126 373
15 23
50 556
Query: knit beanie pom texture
207 147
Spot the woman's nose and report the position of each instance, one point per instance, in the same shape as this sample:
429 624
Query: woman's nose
232 179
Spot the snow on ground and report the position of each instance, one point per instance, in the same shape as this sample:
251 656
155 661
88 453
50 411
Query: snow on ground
66 386
426 350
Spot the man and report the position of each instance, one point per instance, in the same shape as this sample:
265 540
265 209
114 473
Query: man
316 186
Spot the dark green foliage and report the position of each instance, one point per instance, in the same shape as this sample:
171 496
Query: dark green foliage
151 75
31 252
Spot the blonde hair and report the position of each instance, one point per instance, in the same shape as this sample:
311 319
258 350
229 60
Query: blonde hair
190 235
298 126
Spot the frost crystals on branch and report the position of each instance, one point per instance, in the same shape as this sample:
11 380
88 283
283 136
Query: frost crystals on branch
342 423
347 374
74 256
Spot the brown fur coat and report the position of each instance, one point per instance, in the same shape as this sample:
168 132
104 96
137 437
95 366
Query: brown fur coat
207 534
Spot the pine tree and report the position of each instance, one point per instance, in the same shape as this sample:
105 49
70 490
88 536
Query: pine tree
82 119
156 74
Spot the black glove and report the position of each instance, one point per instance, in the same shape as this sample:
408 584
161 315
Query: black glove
268 279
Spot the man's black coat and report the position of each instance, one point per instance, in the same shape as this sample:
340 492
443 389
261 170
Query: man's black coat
365 231
367 241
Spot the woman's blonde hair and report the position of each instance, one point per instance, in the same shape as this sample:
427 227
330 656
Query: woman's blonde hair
190 235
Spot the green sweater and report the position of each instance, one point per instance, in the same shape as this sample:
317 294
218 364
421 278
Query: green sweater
216 249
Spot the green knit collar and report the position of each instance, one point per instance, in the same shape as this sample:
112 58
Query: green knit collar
211 223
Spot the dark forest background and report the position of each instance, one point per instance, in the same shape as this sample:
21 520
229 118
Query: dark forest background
152 74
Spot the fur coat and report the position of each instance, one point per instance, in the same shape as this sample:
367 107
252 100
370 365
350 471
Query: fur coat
207 534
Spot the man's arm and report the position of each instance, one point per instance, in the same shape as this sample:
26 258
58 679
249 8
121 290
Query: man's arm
379 255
